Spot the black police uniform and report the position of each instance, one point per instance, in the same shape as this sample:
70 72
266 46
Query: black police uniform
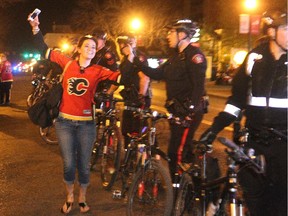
106 58
131 82
184 74
260 88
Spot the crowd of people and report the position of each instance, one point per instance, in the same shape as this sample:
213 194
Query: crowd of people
259 90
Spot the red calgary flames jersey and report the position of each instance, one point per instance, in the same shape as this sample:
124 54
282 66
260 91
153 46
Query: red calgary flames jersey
79 87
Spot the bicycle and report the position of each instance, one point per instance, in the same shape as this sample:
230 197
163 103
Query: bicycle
107 148
150 191
41 85
196 191
48 134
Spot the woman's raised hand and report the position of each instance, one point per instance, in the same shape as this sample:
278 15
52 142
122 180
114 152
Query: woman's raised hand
33 22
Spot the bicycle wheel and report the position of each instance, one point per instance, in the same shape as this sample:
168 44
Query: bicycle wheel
151 191
30 100
48 134
111 156
185 203
96 154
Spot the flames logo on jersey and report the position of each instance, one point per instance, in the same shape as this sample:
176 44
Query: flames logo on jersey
77 86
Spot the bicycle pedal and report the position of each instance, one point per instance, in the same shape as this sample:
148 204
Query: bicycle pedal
117 194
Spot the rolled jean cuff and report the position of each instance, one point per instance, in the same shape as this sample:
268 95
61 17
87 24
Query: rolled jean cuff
84 185
68 182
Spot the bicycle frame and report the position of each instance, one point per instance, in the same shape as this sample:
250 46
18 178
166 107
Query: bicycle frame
106 118
230 190
142 147
151 187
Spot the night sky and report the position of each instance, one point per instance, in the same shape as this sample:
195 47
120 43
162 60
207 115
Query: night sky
57 11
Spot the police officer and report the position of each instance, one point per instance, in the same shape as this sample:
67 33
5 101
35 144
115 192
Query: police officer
137 91
105 57
184 73
260 89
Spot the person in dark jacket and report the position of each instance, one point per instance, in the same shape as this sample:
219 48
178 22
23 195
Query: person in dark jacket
260 90
105 57
104 54
137 90
184 74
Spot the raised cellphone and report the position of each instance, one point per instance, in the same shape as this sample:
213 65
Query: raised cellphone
35 13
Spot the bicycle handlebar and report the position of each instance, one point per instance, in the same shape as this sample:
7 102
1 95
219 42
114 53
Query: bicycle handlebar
238 151
239 155
147 113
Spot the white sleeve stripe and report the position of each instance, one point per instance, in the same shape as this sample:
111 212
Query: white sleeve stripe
47 53
233 110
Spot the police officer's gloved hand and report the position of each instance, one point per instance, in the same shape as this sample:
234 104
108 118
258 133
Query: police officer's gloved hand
207 138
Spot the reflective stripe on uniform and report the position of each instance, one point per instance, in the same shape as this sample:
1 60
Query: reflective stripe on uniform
233 110
273 102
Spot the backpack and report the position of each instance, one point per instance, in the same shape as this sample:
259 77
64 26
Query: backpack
39 114
46 108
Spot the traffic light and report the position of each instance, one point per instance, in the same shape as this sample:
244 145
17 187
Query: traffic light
28 56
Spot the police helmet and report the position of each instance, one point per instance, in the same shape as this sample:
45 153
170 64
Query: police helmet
99 34
273 19
125 38
184 25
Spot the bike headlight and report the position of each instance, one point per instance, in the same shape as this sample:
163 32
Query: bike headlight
154 114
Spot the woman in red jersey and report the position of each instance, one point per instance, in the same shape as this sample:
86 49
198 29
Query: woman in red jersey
75 126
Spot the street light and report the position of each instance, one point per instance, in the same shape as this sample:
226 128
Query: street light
250 4
135 24
245 19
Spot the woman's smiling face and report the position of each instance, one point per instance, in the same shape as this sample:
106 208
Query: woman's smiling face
88 49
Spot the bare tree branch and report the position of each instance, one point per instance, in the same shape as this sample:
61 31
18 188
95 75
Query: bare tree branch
114 16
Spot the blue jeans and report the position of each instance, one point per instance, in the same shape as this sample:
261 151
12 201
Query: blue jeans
76 139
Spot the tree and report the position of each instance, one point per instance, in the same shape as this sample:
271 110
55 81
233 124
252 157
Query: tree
114 16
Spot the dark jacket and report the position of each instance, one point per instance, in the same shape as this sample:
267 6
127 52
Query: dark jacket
184 74
259 88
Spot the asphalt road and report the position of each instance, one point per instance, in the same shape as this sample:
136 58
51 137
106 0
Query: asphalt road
31 171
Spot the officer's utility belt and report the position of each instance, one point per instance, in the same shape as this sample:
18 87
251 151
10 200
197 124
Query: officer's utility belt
268 136
186 108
